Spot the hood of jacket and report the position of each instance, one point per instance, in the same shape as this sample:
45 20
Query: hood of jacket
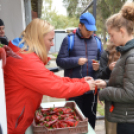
17 42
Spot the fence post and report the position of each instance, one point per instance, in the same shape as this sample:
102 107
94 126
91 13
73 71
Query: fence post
28 14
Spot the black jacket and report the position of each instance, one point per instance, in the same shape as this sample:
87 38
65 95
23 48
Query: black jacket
86 48
4 40
104 71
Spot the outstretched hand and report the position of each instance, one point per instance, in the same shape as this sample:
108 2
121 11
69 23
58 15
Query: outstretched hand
95 65
87 78
91 83
98 100
100 83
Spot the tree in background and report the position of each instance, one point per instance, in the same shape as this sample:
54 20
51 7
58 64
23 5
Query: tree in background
59 21
105 8
36 8
75 7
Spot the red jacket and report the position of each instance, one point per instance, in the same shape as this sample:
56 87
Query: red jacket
26 81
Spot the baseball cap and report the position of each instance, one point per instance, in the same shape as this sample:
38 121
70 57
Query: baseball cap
89 21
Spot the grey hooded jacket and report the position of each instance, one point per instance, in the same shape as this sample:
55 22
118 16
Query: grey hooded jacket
120 89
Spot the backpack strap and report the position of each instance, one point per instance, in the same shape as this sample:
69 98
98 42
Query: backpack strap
70 42
98 43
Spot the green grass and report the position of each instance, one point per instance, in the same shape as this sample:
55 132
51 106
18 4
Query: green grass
104 46
55 55
100 109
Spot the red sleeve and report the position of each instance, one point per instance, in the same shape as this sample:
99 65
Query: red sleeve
36 77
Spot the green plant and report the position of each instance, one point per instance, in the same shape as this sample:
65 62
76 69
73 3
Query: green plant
100 109
55 55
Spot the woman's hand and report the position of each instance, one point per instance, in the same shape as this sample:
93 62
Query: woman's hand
111 66
95 65
100 83
87 78
82 61
91 84
98 100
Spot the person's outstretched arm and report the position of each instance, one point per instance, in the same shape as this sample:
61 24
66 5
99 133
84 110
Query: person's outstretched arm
32 74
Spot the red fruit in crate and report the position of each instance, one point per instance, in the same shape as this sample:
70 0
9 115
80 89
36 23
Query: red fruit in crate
50 123
70 123
70 117
57 124
54 117
45 111
53 111
76 123
41 124
67 110
63 124
59 111
63 116
76 118
54 125
39 117
48 118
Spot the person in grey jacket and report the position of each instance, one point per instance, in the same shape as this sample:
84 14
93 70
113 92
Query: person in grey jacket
118 92
108 60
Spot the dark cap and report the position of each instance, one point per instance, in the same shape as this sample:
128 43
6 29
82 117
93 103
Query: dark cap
89 21
1 22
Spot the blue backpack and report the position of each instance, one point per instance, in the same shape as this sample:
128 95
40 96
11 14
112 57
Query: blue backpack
71 42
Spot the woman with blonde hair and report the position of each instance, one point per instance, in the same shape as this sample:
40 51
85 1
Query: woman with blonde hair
27 79
118 92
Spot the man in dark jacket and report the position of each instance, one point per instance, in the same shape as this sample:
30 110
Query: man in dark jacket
77 63
3 38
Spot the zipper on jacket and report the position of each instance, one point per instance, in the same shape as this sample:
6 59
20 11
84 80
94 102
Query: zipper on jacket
86 55
70 73
126 113
19 117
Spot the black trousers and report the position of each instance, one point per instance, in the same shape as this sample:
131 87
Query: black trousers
87 103
125 128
